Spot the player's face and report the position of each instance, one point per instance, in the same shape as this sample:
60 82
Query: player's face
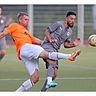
24 20
71 20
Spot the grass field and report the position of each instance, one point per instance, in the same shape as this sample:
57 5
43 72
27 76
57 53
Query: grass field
79 75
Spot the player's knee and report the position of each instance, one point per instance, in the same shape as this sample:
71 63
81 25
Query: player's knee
44 54
35 79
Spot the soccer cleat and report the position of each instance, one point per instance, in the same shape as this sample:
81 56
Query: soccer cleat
74 55
52 84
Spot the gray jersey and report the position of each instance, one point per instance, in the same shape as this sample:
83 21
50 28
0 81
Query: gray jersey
3 24
58 32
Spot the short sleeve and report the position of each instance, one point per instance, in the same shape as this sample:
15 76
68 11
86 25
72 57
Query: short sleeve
52 27
11 28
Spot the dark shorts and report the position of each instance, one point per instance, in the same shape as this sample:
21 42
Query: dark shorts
49 48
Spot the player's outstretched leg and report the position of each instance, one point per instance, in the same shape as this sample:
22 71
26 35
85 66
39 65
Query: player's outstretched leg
57 55
74 55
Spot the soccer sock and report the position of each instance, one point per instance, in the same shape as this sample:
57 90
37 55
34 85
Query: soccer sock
50 71
49 79
56 55
25 86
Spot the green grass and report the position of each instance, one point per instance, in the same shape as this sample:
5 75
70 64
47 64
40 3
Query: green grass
79 75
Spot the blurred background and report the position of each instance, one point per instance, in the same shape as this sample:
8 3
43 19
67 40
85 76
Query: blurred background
42 15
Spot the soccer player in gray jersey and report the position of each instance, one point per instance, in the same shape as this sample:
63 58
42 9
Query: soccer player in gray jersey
56 34
3 23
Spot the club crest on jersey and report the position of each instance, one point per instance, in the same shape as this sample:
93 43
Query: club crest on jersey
60 28
68 33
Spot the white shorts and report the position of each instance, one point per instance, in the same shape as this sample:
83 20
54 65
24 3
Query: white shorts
29 54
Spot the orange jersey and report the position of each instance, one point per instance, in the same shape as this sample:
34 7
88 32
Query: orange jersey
20 35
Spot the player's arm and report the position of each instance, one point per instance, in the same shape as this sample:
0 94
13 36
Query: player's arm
34 39
37 41
3 34
73 43
50 29
48 36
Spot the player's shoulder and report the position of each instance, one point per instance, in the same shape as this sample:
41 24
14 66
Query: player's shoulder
14 24
60 22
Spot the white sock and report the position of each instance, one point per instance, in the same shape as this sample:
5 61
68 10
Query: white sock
49 79
56 55
25 86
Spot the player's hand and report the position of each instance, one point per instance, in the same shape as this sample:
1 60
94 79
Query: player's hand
76 41
53 40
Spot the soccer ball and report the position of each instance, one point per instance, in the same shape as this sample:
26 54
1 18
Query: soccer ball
92 40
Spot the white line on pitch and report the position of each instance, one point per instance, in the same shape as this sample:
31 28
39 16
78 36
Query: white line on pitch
65 78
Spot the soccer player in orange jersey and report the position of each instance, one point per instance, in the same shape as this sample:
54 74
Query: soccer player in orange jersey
29 51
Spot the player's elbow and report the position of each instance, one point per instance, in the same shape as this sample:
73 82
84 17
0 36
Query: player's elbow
66 45
3 34
69 45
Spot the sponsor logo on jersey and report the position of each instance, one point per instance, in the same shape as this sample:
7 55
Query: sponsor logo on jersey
68 33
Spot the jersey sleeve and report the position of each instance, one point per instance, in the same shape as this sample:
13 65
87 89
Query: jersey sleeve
52 27
11 28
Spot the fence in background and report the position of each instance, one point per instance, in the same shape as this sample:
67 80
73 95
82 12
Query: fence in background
43 15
